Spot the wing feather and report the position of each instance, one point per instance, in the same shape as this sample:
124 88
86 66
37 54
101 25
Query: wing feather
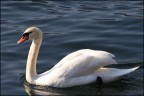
84 62
81 62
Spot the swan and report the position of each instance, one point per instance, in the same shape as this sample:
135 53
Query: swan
77 68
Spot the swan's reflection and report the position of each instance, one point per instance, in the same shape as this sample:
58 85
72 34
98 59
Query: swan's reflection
35 91
45 90
38 90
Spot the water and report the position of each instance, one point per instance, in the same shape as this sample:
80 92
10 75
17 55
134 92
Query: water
113 26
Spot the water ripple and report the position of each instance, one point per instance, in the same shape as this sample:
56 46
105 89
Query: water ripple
113 26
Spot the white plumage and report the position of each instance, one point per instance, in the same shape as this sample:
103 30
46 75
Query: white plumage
78 68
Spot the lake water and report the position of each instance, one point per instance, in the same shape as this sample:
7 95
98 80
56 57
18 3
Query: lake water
69 25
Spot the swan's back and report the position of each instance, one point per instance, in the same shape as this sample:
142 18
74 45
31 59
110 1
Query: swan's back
101 57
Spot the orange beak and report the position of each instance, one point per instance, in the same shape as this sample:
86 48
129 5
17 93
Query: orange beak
24 38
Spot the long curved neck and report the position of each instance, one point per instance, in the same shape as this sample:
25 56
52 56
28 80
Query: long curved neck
31 72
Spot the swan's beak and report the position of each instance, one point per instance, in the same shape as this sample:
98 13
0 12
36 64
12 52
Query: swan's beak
24 38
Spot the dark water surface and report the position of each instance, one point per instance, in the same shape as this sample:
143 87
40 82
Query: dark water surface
114 26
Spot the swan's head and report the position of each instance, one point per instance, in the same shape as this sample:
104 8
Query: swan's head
30 34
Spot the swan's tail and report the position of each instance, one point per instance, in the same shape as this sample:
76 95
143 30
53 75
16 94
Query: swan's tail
111 74
126 71
132 69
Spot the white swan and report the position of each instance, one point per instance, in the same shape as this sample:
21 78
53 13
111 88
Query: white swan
77 68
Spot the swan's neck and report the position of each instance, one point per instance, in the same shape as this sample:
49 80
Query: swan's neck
31 72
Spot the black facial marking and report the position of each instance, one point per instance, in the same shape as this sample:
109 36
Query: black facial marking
26 34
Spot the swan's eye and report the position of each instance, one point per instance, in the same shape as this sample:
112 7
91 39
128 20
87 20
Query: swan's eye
26 34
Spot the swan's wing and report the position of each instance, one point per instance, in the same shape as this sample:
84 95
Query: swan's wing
96 53
82 62
68 57
111 74
82 65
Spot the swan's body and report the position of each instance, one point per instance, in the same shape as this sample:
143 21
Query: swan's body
78 68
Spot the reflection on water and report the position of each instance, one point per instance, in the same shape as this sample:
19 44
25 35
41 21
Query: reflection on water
31 91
